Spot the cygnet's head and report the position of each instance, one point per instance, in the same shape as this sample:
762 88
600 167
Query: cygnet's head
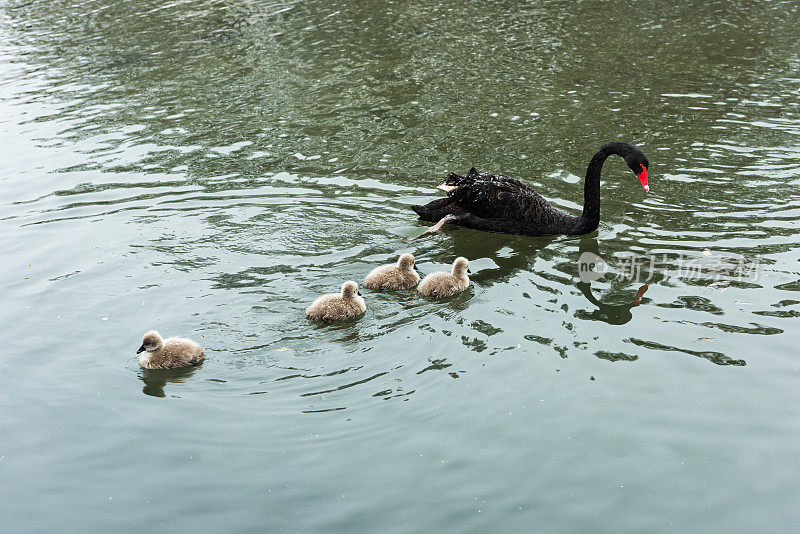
349 289
151 341
406 262
460 266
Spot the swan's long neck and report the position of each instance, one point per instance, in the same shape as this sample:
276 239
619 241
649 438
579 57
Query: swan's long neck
590 218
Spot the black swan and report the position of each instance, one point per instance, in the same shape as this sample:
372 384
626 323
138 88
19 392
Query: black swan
496 203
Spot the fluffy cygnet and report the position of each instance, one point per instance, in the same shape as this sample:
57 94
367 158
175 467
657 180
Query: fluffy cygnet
168 353
399 276
338 307
443 284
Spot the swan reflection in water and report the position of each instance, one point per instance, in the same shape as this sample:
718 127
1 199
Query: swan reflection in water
156 379
522 255
608 313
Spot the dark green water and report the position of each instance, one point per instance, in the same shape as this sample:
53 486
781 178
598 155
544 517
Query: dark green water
207 168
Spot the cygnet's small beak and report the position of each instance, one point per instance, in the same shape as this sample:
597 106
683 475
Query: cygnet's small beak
468 271
416 268
359 293
141 349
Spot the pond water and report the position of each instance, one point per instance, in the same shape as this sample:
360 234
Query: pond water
209 167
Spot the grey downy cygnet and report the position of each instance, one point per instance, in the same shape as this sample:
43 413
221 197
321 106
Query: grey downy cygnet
168 353
394 276
338 306
444 284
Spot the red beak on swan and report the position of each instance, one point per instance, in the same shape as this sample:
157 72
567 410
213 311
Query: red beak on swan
643 178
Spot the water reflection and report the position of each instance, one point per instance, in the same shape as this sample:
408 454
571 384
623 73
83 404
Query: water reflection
617 314
712 356
506 255
155 380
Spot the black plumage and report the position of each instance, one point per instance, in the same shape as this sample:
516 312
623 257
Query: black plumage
497 203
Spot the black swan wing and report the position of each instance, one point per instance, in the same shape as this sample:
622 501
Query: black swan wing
494 196
496 203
